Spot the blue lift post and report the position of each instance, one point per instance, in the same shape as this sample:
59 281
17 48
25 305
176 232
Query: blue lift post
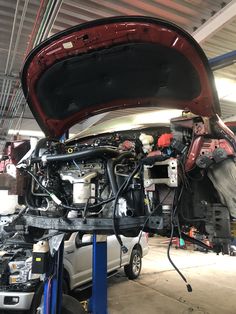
53 284
98 301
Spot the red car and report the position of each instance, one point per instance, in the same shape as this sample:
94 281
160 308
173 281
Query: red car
164 178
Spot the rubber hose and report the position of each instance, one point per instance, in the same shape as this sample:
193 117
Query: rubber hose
110 170
96 152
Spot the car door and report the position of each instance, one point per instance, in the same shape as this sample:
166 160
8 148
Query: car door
82 260
113 253
115 256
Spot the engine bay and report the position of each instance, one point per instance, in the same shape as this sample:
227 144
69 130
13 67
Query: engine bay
164 180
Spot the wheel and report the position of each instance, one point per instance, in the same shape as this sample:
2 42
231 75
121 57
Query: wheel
71 306
133 269
36 300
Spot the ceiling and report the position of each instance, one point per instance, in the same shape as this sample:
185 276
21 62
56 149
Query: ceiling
25 23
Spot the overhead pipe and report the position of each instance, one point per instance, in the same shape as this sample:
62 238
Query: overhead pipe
11 108
39 12
20 118
48 19
14 111
12 35
3 93
13 100
223 61
16 99
43 23
8 68
3 88
52 18
45 27
5 97
5 85
26 2
16 103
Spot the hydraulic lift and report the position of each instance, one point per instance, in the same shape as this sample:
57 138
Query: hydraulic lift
98 302
53 283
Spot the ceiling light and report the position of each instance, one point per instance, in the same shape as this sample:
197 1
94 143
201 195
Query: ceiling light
28 133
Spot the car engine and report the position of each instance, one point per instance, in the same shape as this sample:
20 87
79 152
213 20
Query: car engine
165 180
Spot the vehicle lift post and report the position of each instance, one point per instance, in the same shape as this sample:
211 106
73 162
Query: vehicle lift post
98 301
53 282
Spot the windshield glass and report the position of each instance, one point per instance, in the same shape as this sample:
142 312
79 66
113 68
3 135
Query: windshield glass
122 120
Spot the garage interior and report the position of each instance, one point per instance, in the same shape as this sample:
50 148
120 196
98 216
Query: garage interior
159 290
27 23
23 24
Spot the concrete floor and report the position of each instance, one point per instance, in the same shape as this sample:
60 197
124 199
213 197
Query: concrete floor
159 288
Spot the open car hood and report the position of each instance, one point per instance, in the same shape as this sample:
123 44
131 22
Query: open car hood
116 63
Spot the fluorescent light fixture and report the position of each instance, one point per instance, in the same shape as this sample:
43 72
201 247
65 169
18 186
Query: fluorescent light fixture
28 133
226 89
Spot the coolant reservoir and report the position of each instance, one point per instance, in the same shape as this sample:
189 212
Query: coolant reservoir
8 203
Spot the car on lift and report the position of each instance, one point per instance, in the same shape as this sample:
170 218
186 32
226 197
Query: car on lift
21 290
162 178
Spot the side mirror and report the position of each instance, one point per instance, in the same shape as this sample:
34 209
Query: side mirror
83 240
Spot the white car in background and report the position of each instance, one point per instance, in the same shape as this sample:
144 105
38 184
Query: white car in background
78 258
23 293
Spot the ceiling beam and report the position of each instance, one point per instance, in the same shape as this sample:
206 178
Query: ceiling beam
216 22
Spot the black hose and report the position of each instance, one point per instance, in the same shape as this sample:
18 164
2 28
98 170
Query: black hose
121 190
110 170
188 286
111 175
152 159
97 152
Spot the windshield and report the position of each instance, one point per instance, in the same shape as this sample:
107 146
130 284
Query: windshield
125 121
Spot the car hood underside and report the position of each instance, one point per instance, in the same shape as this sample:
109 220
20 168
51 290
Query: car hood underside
112 64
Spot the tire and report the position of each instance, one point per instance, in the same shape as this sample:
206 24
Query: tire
71 306
39 294
133 269
36 300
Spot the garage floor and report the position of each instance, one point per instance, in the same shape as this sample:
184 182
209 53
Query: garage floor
160 289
